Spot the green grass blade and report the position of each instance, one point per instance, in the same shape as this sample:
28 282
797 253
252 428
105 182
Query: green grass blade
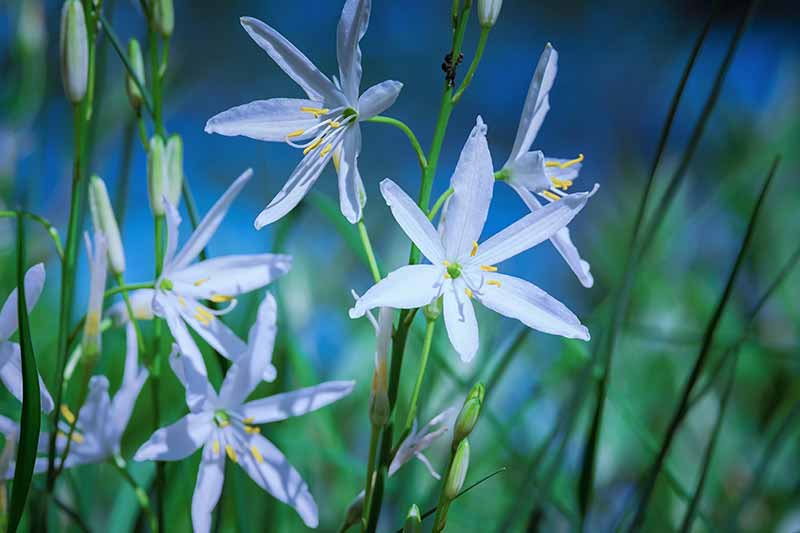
30 420
649 479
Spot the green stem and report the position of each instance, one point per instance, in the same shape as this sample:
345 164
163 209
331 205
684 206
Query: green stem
440 202
127 288
373 264
155 367
474 65
443 505
51 231
143 133
430 326
155 81
144 502
373 449
423 162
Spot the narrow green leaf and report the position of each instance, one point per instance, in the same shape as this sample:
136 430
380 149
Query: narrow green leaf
31 409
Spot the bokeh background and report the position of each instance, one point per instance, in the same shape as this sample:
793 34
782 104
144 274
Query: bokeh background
619 65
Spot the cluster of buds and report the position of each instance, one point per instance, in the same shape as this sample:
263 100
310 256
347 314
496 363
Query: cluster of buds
74 47
164 172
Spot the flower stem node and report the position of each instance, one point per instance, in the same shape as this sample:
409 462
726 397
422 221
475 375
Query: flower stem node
458 471
74 51
137 63
156 175
488 10
164 17
105 222
413 522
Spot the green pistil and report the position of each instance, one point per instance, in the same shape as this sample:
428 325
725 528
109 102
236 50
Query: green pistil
349 112
454 270
165 284
221 418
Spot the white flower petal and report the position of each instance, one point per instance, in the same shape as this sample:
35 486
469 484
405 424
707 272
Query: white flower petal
292 61
34 283
528 172
295 403
208 226
11 374
167 306
530 230
199 392
472 183
211 329
179 440
141 302
274 474
351 189
517 298
413 222
173 219
207 489
133 379
229 275
407 287
94 414
249 369
459 318
266 120
536 102
378 99
352 27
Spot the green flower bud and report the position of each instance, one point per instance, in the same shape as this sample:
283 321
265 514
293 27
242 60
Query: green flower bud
156 175
74 51
433 310
137 63
174 176
164 17
466 420
413 520
458 471
488 10
477 391
105 222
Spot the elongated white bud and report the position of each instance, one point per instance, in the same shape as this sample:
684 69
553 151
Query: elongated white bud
379 395
98 265
74 51
488 10
156 175
105 222
164 17
174 176
458 471
137 63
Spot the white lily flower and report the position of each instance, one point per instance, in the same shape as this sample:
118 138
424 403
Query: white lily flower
418 441
10 353
460 269
223 424
183 284
531 173
326 125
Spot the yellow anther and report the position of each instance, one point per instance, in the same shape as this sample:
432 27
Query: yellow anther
295 133
220 298
203 316
316 142
446 263
200 281
316 111
215 447
571 162
257 454
182 301
335 124
249 420
336 159
231 453
77 438
223 423
252 429
447 276
561 184
487 268
551 196
468 291
325 150
67 414
474 249
493 282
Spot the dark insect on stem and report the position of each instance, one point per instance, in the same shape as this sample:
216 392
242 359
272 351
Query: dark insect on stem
449 67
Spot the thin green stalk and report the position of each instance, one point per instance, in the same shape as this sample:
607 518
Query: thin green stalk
155 80
131 316
155 368
649 479
430 326
440 202
474 65
142 133
141 495
423 162
374 436
128 287
48 227
442 505
365 242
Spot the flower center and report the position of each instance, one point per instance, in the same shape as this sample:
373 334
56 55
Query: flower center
166 284
221 418
453 270
324 131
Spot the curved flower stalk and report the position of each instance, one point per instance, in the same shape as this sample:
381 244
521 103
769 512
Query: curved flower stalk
326 125
460 269
10 355
184 284
530 173
224 425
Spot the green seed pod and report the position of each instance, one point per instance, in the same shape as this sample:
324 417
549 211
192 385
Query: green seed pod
174 177
74 51
466 420
105 222
458 471
488 10
164 17
413 520
137 63
156 175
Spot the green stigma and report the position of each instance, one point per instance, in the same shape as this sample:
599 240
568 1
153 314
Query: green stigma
166 284
454 270
221 418
349 112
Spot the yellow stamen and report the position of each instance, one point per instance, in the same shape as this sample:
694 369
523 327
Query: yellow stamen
561 184
249 420
474 249
67 414
220 298
316 142
468 291
493 282
252 429
325 150
296 133
203 316
447 276
446 263
316 111
182 301
551 196
231 453
77 438
200 281
215 447
565 164
336 160
256 454
487 268
335 124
